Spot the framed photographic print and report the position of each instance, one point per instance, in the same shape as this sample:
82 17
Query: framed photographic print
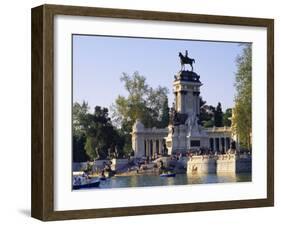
141 112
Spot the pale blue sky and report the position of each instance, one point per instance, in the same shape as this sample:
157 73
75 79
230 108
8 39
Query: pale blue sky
98 63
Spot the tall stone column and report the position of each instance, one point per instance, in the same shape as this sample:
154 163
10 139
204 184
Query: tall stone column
219 144
154 147
148 148
145 147
177 101
151 148
182 106
161 147
185 102
181 101
228 142
196 98
194 103
198 104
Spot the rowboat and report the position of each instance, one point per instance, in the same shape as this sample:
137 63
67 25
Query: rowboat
167 175
92 184
102 178
80 182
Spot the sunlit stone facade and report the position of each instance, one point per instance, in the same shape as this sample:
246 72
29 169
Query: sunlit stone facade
184 132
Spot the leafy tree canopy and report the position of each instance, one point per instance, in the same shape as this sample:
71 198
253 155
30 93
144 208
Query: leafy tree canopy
242 112
143 102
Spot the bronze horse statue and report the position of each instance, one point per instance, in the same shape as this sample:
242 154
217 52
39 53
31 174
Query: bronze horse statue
186 60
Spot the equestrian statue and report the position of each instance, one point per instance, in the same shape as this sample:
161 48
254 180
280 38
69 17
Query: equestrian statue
186 60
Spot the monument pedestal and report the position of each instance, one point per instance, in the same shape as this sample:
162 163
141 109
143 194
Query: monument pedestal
184 132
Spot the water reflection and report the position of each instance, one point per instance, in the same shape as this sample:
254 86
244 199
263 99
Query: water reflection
180 179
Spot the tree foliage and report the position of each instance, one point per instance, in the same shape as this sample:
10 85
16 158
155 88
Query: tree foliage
148 104
218 116
91 151
79 112
165 114
227 117
143 102
206 117
242 112
214 116
95 130
79 154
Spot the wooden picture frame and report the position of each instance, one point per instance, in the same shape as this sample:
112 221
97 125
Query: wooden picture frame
42 203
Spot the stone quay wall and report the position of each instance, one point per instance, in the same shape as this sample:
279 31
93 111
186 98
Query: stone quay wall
201 164
244 165
228 163
119 164
98 165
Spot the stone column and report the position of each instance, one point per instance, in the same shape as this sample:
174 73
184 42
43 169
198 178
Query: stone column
185 102
154 147
182 102
211 143
198 105
161 147
182 105
194 104
146 147
196 101
176 99
179 101
228 142
151 148
143 146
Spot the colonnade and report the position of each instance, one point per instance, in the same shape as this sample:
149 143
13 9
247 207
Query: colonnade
220 143
153 147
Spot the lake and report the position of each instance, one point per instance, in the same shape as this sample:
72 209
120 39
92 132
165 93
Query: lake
180 179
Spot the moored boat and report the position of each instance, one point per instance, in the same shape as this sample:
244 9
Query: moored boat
102 178
167 175
92 184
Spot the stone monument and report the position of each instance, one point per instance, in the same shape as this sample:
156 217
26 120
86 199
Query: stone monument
185 133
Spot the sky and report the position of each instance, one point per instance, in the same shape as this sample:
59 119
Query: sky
99 61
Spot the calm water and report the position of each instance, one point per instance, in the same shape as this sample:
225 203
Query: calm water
180 179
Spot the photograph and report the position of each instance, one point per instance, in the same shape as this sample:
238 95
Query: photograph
142 111
160 112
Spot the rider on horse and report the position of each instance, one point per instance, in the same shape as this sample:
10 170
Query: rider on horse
186 60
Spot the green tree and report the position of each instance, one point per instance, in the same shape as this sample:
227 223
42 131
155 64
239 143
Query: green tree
218 116
79 135
104 137
242 112
227 117
79 153
164 122
91 150
94 136
143 102
206 117
208 124
79 114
